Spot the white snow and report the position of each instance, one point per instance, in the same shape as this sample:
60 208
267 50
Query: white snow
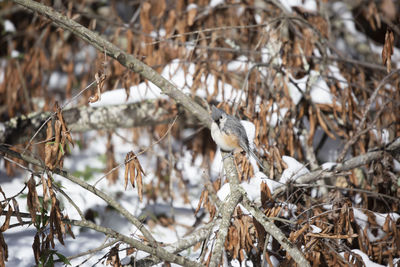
143 91
320 92
191 6
366 260
380 218
15 54
9 26
58 80
328 165
315 229
214 3
239 64
310 5
294 170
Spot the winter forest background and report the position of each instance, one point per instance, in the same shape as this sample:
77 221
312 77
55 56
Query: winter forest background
105 150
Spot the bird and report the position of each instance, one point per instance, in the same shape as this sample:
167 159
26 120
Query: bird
229 134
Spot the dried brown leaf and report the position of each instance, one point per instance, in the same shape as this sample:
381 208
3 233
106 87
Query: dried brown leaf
191 15
170 23
126 173
139 182
387 50
386 225
65 133
265 194
36 248
32 199
313 124
200 201
6 223
113 257
100 80
132 173
112 173
48 147
16 209
3 251
46 196
321 122
134 170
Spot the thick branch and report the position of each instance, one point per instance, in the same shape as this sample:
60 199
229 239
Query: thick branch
190 240
349 164
239 195
122 57
157 251
227 210
146 113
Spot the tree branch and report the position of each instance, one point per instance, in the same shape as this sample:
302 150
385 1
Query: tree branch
347 165
273 230
157 251
109 200
121 56
147 113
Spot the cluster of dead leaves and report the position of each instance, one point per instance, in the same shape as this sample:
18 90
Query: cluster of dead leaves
44 240
58 138
134 173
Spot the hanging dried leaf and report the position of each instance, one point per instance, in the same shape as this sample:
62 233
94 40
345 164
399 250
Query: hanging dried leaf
56 224
266 196
111 163
323 125
6 223
372 15
170 23
135 171
191 15
3 251
36 248
113 257
100 80
46 196
202 197
16 208
32 199
387 50
68 226
65 133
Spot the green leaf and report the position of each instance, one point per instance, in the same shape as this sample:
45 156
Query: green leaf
63 258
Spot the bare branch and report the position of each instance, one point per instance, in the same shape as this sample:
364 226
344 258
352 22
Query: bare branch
121 56
111 201
147 113
345 166
157 250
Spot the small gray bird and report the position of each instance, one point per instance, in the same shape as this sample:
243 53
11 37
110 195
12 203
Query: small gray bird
229 134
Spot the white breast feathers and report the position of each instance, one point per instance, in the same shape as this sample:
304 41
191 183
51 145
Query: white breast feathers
219 139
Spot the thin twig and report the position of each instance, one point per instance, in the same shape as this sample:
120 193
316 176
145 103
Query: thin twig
95 250
108 199
139 153
158 251
54 113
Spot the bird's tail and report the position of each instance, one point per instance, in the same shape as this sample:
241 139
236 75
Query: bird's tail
251 152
